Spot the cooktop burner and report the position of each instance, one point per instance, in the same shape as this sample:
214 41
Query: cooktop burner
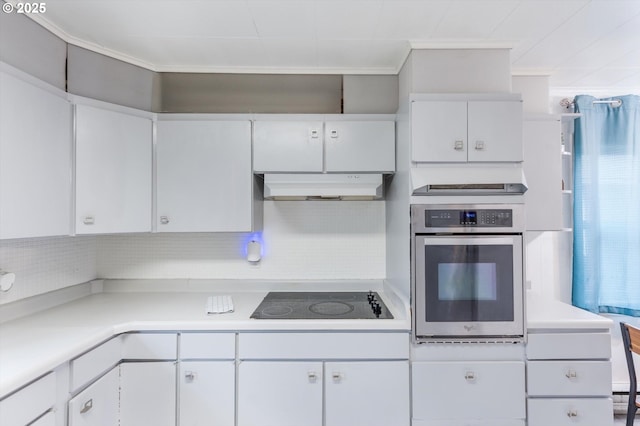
322 305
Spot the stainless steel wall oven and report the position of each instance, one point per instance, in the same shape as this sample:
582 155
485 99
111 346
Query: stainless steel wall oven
467 272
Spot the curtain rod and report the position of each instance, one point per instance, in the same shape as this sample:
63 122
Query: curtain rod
566 102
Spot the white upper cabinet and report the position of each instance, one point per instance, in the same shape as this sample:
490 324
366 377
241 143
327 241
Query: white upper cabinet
466 130
287 146
360 146
203 176
113 170
344 145
543 169
35 159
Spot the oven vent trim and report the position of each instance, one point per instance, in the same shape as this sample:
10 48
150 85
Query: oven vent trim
468 181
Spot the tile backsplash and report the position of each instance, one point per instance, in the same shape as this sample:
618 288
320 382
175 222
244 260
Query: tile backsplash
42 265
301 240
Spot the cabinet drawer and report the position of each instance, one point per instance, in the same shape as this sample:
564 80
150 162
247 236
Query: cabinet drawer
141 346
97 404
570 412
48 419
30 402
95 362
323 345
207 346
569 346
569 378
468 390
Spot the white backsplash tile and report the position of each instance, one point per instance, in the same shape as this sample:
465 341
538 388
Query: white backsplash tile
42 265
311 240
301 240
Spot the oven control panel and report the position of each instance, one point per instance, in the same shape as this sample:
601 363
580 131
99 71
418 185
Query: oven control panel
477 218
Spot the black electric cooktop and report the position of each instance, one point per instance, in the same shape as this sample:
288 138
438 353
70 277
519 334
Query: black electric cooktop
322 305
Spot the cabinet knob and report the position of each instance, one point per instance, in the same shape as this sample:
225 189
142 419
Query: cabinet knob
87 406
572 413
88 220
470 376
571 374
458 145
314 134
312 376
336 376
333 134
164 220
479 145
190 376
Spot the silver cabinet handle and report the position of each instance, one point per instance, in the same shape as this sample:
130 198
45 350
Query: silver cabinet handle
479 145
312 376
571 374
314 134
458 145
88 220
164 220
572 413
336 376
470 376
87 406
190 376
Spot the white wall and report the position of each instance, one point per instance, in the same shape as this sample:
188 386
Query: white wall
302 240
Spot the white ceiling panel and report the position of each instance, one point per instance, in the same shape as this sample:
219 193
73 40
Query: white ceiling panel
592 22
410 20
473 19
285 19
347 20
586 42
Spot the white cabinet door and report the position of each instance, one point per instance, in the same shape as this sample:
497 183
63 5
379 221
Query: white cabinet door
495 131
97 405
287 146
27 404
439 131
468 390
360 146
279 393
204 179
35 160
207 393
543 169
148 394
367 393
113 171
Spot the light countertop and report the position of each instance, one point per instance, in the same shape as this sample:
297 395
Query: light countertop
544 313
35 344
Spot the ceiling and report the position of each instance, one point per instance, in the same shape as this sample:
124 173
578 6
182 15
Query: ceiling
578 43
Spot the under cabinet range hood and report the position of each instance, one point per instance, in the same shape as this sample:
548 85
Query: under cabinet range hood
468 180
326 186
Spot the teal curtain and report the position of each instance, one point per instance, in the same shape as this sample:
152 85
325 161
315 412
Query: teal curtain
606 241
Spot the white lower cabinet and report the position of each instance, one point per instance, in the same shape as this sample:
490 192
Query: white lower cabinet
570 411
323 379
148 394
98 404
280 393
569 379
371 393
290 393
29 403
465 393
206 393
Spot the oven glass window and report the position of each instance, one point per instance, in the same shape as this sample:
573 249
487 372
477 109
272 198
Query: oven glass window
469 283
